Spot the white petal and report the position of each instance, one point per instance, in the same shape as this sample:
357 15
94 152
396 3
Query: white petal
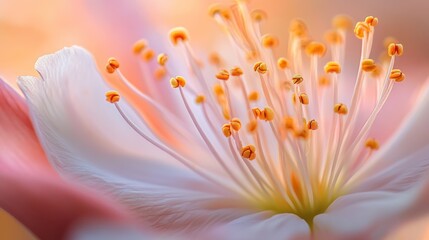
86 139
405 157
265 225
363 215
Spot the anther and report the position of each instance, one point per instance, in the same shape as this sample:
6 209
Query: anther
342 22
360 29
368 65
298 28
312 125
315 48
256 112
340 109
333 37
226 130
397 75
112 96
235 124
332 67
160 73
218 90
139 46
372 21
253 96
177 81
252 125
236 71
324 81
148 54
269 41
214 59
112 65
297 79
289 123
258 15
282 63
303 133
162 59
178 34
303 99
200 99
260 67
217 9
223 75
248 152
372 144
267 114
395 49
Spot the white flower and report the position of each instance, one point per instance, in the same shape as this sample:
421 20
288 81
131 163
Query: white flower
289 161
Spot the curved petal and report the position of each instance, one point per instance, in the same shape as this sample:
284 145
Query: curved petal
264 225
48 206
86 139
18 140
363 215
404 158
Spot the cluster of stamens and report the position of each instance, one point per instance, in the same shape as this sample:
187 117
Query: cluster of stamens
303 155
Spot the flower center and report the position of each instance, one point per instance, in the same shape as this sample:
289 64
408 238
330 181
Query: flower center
301 148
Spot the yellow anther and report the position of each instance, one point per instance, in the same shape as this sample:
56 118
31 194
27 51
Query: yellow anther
324 81
222 75
214 59
256 112
315 48
235 124
303 133
236 71
200 99
139 46
260 67
217 9
269 41
112 96
218 90
297 79
253 96
332 67
372 21
148 54
226 130
340 109
313 125
397 75
360 29
160 73
258 15
267 114
248 152
368 65
178 34
162 59
334 37
298 28
112 65
303 99
289 123
372 144
177 81
252 125
395 49
388 40
282 63
342 22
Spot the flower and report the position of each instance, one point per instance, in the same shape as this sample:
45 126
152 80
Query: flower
289 159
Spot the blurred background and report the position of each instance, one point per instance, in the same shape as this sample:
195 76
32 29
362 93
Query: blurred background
29 29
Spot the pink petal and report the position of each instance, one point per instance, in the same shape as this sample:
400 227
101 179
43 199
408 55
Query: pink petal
49 206
19 146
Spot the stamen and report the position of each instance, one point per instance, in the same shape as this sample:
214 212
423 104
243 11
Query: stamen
112 96
297 79
395 49
340 109
162 59
223 75
248 152
332 67
260 67
282 63
253 96
397 75
269 41
368 65
175 82
258 15
178 34
148 54
316 48
342 22
303 99
112 65
200 99
372 144
139 46
235 124
313 125
226 130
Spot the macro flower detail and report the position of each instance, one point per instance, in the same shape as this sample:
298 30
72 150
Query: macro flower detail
275 142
